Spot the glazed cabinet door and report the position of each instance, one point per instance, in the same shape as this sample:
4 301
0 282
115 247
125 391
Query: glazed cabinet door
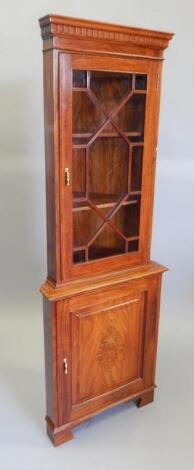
109 154
106 348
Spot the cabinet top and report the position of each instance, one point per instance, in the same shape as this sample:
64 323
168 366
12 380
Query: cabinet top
76 35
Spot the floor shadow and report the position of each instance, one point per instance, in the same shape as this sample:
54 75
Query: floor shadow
105 415
24 401
25 391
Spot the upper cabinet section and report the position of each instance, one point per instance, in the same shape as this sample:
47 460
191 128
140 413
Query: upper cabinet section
101 107
76 35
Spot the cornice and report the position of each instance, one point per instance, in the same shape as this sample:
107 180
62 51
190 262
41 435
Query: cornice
60 26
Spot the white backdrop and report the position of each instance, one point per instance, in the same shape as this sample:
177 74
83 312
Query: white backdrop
22 187
23 256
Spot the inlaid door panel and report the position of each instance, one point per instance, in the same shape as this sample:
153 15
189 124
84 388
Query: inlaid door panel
107 346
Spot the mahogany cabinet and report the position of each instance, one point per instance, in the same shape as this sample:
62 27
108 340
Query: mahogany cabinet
102 293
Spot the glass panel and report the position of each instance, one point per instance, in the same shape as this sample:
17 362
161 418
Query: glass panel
79 79
131 117
133 245
79 256
78 172
110 87
107 159
126 219
108 162
85 224
141 82
86 116
136 168
108 243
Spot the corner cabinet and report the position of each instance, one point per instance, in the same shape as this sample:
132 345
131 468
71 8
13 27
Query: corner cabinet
101 296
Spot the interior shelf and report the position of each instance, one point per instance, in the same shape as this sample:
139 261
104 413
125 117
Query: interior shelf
85 248
104 252
134 143
85 89
102 201
81 197
78 135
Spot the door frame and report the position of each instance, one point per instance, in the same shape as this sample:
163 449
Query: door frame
67 63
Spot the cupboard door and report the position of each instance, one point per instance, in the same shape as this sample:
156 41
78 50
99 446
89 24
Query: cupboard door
107 346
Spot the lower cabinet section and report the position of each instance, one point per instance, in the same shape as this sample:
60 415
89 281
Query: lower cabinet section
100 350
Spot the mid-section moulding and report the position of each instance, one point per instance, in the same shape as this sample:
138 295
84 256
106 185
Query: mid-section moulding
54 293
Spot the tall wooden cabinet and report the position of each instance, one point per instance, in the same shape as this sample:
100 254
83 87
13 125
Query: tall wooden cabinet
102 293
